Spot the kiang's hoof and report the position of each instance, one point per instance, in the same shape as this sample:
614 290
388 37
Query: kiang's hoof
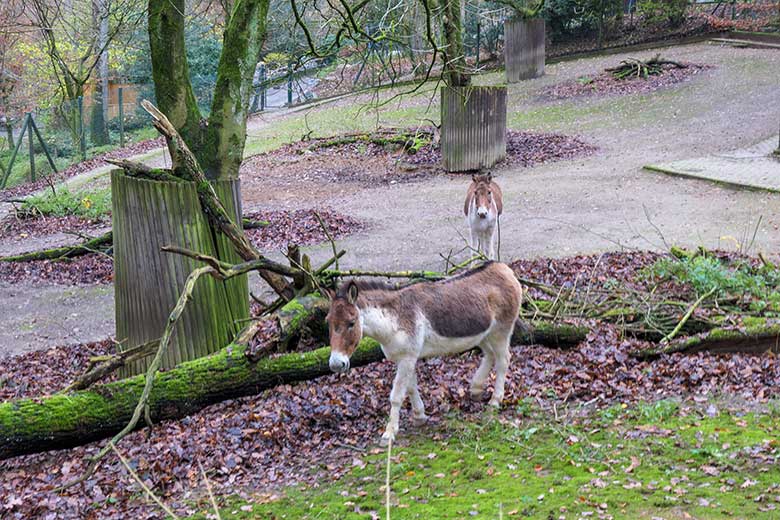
420 421
476 395
386 438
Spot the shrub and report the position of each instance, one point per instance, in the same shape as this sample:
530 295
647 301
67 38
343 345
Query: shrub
86 204
664 12
739 279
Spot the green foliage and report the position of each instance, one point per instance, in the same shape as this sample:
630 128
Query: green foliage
741 279
204 49
275 60
664 12
83 204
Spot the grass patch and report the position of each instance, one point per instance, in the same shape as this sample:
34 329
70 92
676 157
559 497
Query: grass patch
87 204
654 459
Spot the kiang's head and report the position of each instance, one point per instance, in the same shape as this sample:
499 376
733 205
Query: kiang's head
344 325
483 194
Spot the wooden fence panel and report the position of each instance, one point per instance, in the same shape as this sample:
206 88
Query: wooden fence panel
523 49
147 282
473 132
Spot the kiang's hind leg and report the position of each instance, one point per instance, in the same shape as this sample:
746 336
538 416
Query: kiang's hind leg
482 373
418 407
500 341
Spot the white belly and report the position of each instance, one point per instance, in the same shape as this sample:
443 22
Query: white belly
437 345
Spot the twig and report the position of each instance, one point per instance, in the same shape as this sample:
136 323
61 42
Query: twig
387 480
211 493
330 238
141 482
666 339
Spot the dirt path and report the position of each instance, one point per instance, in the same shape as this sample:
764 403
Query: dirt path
600 203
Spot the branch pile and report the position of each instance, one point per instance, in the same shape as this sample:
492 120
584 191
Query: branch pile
636 68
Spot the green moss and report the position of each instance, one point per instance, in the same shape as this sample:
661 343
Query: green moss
651 460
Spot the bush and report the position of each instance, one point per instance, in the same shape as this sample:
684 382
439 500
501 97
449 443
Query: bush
664 12
64 203
737 279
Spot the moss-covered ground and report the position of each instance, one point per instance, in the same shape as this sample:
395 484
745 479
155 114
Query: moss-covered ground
652 460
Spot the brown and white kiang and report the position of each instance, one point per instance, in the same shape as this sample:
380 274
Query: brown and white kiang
477 308
483 207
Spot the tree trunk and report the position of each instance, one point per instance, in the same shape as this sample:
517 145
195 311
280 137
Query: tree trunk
98 118
68 420
148 215
756 336
171 71
524 49
473 127
76 418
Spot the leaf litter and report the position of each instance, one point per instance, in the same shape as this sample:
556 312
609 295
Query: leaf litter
310 432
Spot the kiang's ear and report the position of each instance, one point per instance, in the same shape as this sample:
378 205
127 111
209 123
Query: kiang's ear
352 292
474 178
489 177
329 293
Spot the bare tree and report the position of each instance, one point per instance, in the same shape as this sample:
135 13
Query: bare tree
76 48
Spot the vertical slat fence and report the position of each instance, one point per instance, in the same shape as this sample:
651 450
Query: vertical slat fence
146 216
523 49
473 132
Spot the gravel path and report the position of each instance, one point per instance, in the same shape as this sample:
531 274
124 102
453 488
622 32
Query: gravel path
600 203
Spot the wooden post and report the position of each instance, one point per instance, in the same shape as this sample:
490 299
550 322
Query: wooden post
31 147
120 99
523 49
148 215
82 135
289 85
473 127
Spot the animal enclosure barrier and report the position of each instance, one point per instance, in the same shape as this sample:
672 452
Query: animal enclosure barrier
148 215
473 131
28 127
524 49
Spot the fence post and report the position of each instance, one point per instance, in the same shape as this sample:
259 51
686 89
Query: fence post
289 85
82 143
120 99
31 148
262 87
10 166
34 128
479 34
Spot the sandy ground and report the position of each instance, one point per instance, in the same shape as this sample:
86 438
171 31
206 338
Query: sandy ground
601 203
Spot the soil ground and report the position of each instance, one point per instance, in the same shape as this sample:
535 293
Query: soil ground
600 203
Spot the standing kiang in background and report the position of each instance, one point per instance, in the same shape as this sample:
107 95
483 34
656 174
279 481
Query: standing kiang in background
483 207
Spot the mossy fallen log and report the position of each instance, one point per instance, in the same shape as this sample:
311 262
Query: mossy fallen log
754 336
67 420
89 246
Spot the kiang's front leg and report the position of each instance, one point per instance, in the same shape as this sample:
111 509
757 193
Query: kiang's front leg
404 373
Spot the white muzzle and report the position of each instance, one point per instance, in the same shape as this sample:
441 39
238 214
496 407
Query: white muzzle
339 363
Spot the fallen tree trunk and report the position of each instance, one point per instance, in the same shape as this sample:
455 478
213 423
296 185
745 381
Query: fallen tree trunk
88 246
67 420
72 419
756 336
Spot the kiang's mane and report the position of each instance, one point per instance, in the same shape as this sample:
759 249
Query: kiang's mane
380 285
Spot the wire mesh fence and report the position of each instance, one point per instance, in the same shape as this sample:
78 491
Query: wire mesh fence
51 139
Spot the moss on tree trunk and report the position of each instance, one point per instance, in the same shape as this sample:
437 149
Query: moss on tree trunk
67 420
